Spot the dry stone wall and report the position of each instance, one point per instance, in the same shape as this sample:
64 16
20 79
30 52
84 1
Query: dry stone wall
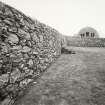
27 48
85 42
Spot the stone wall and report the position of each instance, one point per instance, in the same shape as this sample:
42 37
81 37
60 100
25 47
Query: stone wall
27 48
85 42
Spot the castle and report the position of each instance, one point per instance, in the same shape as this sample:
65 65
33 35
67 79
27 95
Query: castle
88 32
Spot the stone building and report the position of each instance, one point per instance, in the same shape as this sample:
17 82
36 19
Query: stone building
88 32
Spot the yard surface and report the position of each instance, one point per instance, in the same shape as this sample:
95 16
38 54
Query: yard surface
74 79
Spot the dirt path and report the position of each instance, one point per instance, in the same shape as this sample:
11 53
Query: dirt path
75 79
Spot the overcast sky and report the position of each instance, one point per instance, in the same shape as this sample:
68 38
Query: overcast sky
67 16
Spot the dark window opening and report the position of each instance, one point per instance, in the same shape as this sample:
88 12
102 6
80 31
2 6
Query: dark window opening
92 35
87 34
82 35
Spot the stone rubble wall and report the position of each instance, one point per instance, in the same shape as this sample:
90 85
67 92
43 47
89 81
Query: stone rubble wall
27 48
85 42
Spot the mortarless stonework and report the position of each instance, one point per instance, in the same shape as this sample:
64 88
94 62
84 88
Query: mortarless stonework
27 48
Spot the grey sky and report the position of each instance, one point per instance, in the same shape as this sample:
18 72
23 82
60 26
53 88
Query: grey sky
67 16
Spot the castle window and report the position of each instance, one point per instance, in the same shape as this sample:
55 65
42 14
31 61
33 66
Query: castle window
82 35
92 35
87 34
